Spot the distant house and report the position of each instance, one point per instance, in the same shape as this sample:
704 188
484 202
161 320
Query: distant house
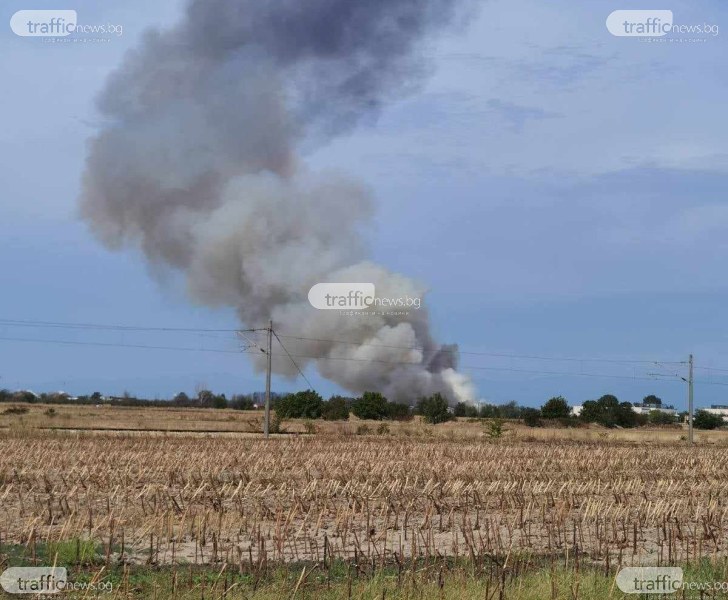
639 408
718 409
646 409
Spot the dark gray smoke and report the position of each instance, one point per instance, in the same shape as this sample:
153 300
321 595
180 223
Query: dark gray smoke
200 164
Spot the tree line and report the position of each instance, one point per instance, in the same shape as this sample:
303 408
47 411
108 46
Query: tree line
308 404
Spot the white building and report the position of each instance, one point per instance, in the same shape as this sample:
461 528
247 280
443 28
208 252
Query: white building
646 409
640 409
718 409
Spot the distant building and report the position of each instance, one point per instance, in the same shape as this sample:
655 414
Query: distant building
718 409
646 409
640 409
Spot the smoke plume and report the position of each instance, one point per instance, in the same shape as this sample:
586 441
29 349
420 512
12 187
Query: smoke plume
200 164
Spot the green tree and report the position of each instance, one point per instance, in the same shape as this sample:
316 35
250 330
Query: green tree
510 410
652 400
206 398
610 412
434 409
371 405
460 409
181 399
301 405
336 409
241 402
702 419
556 408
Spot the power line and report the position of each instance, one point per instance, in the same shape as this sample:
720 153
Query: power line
493 354
117 345
711 369
293 361
654 377
116 327
97 326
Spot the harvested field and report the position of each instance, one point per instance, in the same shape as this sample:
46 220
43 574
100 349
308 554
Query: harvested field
387 499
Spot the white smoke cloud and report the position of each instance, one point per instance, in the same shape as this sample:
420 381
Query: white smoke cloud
200 166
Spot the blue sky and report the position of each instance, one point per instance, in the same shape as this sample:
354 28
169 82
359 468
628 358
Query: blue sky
560 190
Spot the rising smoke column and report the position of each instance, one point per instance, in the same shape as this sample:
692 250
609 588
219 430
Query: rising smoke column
200 164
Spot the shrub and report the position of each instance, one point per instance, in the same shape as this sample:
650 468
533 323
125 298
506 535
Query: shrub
531 417
657 417
310 427
398 412
362 430
495 428
383 429
50 412
336 409
702 419
16 410
371 405
276 424
434 409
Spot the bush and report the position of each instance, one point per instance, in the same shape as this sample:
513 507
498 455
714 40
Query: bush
362 430
531 417
301 405
495 428
336 409
398 412
702 419
555 408
657 417
371 405
383 429
16 410
276 424
50 412
434 409
310 427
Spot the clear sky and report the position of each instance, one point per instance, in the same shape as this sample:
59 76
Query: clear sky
562 191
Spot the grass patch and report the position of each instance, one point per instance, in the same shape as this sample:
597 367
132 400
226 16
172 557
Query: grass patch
444 579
